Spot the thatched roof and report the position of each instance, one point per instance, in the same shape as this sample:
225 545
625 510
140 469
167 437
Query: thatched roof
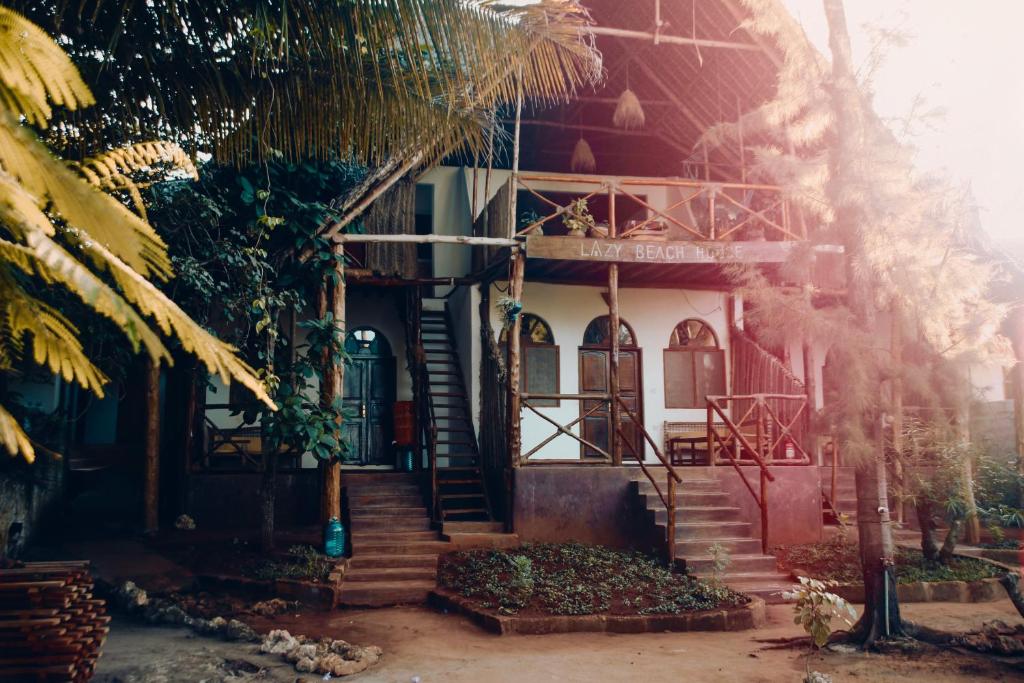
684 88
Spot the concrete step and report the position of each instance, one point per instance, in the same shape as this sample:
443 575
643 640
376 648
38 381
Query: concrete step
384 593
697 485
699 514
704 564
367 561
350 478
704 499
385 500
489 540
712 530
367 574
378 524
735 546
379 546
384 490
457 527
769 590
397 511
360 537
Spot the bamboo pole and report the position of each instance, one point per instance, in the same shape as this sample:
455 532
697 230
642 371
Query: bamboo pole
427 239
657 38
517 267
151 488
613 360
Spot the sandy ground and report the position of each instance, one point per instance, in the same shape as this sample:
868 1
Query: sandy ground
437 647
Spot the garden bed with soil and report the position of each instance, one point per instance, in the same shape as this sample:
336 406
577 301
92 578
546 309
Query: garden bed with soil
558 588
962 579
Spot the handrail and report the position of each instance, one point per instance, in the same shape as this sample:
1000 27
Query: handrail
714 213
671 478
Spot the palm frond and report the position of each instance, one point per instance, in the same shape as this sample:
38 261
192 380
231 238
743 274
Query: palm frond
13 437
240 78
119 168
34 71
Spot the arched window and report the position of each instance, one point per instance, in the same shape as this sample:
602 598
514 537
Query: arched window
538 358
366 341
694 365
597 333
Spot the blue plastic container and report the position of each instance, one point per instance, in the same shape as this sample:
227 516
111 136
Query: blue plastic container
334 538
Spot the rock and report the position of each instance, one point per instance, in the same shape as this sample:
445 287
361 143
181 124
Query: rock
185 523
817 677
131 596
305 665
306 651
272 607
237 630
1007 645
278 642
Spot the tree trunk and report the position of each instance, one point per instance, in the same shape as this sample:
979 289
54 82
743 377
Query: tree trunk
926 520
949 545
881 617
334 378
268 463
151 490
1011 582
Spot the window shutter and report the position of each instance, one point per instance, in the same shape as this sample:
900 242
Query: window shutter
541 372
709 369
679 379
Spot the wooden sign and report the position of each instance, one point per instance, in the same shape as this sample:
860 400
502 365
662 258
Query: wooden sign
644 251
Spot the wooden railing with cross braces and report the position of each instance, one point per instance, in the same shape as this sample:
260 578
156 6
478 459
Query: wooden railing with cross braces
707 210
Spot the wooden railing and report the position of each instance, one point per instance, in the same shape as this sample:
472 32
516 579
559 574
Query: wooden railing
604 401
429 430
707 210
762 424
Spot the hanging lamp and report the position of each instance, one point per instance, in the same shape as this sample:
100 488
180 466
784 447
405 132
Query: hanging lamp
629 113
583 160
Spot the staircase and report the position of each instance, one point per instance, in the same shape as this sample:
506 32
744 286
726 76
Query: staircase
461 495
705 517
394 547
846 496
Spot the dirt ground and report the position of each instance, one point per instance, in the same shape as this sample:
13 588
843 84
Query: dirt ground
435 647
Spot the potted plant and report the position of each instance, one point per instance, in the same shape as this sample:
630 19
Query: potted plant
578 218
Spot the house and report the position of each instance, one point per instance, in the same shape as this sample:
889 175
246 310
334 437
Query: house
548 343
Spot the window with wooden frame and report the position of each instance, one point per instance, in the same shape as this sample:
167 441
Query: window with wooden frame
538 359
694 365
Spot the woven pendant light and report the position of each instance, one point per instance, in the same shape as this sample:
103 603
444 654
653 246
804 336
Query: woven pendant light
583 160
629 113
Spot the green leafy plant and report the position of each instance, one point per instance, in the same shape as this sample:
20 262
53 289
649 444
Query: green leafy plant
720 560
816 607
578 218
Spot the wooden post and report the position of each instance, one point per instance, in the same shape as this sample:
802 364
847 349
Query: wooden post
671 517
331 492
151 488
517 267
764 511
613 359
189 441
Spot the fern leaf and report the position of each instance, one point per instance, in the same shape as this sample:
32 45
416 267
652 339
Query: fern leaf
13 437
84 207
34 71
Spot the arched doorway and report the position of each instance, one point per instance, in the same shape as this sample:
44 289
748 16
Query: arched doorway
595 371
369 397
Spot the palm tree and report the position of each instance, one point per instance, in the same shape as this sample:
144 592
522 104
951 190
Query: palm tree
372 80
59 229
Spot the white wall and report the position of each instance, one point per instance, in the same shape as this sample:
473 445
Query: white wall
463 306
451 217
652 313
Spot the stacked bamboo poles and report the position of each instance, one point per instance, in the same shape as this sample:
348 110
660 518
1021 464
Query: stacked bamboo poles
51 627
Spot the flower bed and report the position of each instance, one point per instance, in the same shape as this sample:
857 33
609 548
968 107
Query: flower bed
839 560
573 580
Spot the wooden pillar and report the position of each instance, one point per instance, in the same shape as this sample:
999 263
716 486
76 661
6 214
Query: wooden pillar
613 359
517 266
334 377
151 488
972 525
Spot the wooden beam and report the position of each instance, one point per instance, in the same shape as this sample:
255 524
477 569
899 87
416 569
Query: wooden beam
428 239
151 488
657 38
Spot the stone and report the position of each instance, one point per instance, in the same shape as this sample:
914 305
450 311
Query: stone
305 651
185 523
817 677
237 630
278 642
305 665
272 607
131 596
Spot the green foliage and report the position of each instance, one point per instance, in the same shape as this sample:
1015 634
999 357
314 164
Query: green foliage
578 217
720 559
839 560
816 607
303 562
574 578
234 237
